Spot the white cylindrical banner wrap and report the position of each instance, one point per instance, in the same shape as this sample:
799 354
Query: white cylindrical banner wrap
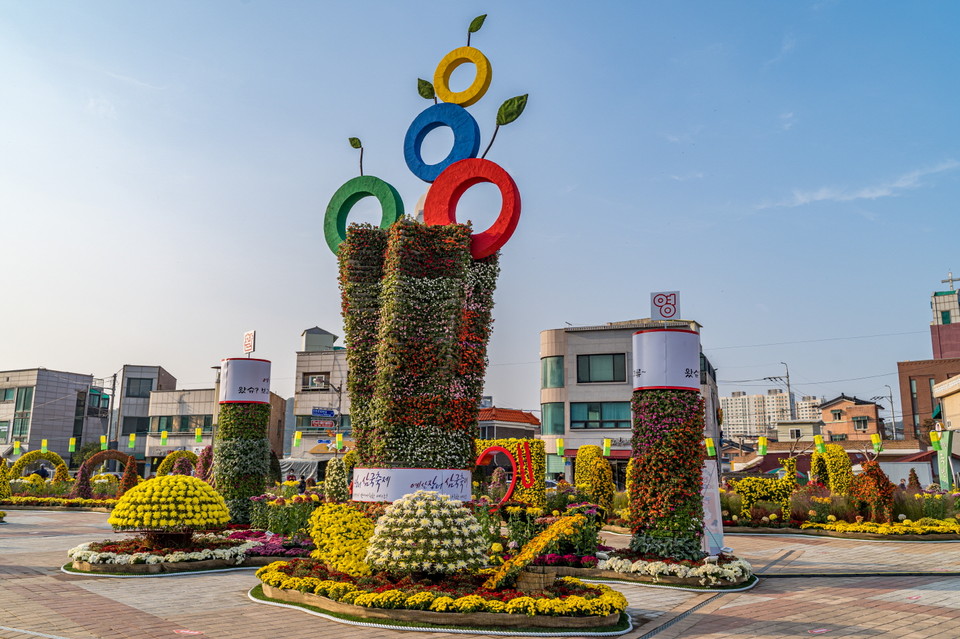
244 380
390 484
666 358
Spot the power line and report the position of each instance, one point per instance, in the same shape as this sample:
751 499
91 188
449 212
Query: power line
811 341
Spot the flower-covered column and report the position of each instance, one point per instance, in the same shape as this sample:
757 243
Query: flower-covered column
666 506
241 451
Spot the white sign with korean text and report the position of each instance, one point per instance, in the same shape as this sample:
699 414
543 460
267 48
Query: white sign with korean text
244 381
665 305
249 341
390 484
666 358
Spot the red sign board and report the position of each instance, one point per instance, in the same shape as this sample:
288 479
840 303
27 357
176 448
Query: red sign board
249 341
322 423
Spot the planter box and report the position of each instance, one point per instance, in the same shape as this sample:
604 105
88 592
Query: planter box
594 573
153 569
839 535
494 619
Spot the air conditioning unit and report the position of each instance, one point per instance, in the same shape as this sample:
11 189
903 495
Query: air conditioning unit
320 382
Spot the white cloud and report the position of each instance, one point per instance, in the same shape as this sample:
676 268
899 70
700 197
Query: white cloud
787 120
689 176
686 137
788 44
101 107
891 188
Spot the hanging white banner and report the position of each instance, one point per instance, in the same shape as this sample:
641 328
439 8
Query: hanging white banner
665 358
244 381
390 484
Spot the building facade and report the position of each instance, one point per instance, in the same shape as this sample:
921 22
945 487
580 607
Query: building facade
917 379
753 416
945 326
38 404
321 382
505 423
131 408
586 388
851 419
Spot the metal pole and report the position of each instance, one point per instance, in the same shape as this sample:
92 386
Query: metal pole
893 415
789 393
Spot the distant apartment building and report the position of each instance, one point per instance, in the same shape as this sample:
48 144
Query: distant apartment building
755 415
808 408
851 419
39 403
131 408
586 388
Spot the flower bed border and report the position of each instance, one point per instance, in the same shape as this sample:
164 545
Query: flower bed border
165 568
749 530
87 509
664 580
475 619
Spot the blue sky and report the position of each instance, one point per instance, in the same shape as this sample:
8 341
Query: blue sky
792 168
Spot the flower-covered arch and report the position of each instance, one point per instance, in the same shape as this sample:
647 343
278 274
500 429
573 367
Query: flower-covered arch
82 487
35 455
167 464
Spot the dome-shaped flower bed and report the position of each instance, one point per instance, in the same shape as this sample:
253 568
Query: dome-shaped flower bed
426 532
169 509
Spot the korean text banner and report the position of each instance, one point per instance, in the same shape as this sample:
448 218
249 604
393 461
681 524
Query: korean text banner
666 359
244 381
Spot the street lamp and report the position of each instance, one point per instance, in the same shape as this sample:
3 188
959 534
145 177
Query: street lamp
893 414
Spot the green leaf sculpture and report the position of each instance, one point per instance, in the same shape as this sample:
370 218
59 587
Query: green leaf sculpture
476 23
425 89
511 109
355 143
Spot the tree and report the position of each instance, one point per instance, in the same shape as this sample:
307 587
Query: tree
85 452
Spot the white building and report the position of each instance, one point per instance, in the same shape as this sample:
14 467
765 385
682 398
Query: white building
321 382
755 415
586 388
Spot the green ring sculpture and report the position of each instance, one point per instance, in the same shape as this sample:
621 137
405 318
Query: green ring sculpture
352 191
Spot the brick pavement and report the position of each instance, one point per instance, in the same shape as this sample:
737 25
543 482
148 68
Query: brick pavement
36 598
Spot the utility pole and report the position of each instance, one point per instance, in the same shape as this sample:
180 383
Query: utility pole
893 415
789 392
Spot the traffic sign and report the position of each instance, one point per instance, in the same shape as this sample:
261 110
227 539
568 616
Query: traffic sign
322 423
324 412
323 441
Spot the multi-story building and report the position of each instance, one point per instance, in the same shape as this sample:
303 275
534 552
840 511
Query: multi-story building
755 415
131 410
38 404
851 419
945 327
808 408
504 423
181 412
917 379
321 382
586 388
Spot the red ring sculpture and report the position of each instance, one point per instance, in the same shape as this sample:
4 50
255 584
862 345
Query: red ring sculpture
440 206
486 456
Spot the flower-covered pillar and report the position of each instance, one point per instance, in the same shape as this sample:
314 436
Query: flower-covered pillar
241 451
666 506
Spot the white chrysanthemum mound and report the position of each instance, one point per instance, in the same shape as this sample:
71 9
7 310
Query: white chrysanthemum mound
426 532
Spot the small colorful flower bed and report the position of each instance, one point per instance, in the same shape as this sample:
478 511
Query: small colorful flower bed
924 526
138 551
270 545
454 593
712 571
2 515
59 502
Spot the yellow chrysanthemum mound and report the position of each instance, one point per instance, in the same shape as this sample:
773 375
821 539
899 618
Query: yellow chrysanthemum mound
170 503
341 534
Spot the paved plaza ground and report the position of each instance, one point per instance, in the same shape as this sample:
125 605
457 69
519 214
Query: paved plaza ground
809 586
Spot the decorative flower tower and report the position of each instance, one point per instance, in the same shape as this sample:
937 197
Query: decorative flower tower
418 298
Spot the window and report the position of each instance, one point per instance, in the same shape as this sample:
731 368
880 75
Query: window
23 408
838 438
4 431
600 415
316 381
861 422
933 399
944 317
24 399
601 368
552 418
139 387
794 433
837 415
551 372
135 425
21 426
7 394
